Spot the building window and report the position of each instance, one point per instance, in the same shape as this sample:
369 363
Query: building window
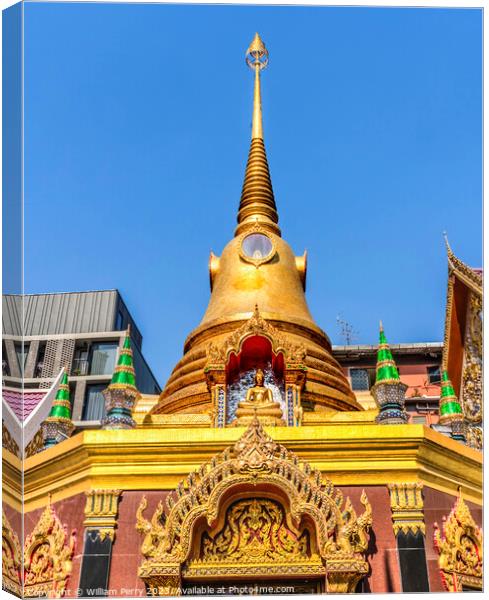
434 375
94 407
5 367
102 361
80 359
22 350
119 321
40 360
419 419
362 379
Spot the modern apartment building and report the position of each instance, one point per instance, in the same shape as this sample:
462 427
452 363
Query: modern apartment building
81 331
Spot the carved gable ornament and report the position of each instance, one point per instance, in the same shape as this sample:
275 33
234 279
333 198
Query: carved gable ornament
47 557
460 550
255 510
11 559
218 355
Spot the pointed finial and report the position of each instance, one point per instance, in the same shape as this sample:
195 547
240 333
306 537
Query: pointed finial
257 205
447 243
128 329
381 327
257 54
257 59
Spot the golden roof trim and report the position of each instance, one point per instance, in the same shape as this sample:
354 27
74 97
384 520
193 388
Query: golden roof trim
466 274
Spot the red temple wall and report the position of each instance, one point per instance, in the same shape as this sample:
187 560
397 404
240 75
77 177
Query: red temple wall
126 551
14 517
382 553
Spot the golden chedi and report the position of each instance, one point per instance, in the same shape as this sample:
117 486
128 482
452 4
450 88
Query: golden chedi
259 403
257 267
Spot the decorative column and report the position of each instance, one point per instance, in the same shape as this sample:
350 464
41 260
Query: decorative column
295 378
409 528
122 393
100 524
216 383
450 410
58 426
388 389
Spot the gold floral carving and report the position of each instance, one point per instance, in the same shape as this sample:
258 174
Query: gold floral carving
101 512
255 468
255 530
47 557
11 559
407 507
460 549
218 355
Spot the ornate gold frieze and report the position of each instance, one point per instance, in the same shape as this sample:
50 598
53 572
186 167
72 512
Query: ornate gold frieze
11 559
407 507
255 468
460 549
101 512
48 557
471 395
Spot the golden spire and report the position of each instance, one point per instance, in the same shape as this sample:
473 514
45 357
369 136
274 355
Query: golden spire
257 203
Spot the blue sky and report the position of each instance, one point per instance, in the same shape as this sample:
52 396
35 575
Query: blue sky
137 127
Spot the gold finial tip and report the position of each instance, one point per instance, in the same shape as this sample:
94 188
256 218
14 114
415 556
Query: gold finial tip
381 326
257 54
447 243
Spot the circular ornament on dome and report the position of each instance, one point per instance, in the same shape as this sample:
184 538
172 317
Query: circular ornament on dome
257 248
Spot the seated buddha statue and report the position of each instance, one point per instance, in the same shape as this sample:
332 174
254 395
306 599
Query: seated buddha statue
259 402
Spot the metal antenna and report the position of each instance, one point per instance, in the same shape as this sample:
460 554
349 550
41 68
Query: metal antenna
346 330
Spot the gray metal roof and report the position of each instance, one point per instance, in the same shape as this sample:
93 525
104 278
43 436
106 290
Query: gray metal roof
63 313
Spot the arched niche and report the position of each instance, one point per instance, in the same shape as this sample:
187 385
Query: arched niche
255 352
231 366
255 540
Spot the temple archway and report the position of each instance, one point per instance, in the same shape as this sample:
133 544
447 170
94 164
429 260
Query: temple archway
252 488
231 367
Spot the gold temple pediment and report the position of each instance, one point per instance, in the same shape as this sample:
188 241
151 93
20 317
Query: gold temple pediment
460 549
286 519
48 556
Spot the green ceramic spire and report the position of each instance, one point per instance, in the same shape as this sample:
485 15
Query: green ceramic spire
122 393
61 408
386 367
58 426
450 409
124 375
